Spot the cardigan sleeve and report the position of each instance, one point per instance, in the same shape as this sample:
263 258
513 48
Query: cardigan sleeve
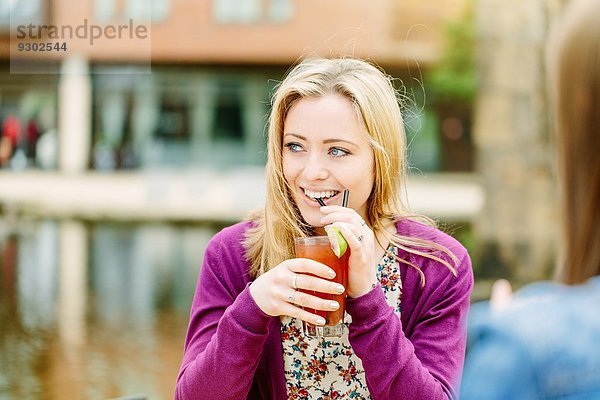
226 332
427 363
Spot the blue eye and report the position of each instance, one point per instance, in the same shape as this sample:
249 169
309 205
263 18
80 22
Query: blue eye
338 152
294 147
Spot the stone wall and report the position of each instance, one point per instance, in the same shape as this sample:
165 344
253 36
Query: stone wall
517 229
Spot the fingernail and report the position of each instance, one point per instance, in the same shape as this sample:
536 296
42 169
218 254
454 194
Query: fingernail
339 289
320 321
331 273
334 305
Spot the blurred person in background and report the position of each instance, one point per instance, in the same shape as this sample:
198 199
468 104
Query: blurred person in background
46 150
334 124
544 343
32 134
11 136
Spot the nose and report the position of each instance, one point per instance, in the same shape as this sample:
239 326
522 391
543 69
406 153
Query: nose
315 169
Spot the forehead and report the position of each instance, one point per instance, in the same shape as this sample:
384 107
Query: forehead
325 115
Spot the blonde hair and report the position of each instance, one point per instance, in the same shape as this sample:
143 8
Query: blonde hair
372 93
574 65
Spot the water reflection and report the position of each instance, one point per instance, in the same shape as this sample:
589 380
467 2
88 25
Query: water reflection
94 311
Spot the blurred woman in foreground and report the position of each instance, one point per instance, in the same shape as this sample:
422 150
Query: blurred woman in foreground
545 343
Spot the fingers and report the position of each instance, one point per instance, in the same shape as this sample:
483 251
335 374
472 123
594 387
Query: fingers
303 287
304 306
362 243
349 221
354 235
308 282
501 295
294 284
308 266
304 315
302 299
341 214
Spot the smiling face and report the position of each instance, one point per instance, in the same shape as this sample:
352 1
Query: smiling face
325 150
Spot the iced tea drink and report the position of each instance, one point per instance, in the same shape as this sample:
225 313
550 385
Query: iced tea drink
318 248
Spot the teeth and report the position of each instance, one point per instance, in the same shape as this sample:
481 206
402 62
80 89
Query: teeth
321 195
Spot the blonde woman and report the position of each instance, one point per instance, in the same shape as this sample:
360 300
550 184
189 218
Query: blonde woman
334 125
544 344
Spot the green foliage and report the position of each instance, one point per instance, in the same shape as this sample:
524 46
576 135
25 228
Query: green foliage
453 78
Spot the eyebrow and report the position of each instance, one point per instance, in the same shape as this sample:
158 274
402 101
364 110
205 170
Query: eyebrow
326 141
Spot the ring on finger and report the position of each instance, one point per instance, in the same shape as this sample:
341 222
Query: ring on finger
362 222
360 238
294 284
291 297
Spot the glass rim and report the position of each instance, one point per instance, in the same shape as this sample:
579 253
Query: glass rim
311 240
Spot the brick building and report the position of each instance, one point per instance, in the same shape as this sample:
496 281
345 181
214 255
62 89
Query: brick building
212 66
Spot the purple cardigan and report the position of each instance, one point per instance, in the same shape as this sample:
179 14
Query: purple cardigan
233 349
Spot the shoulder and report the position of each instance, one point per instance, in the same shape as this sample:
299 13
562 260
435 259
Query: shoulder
431 268
527 313
411 228
553 326
225 251
552 309
532 309
434 282
231 237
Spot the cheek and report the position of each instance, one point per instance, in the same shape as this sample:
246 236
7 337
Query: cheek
289 170
359 181
363 180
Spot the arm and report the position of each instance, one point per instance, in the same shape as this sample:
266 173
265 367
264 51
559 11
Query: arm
226 333
427 363
229 320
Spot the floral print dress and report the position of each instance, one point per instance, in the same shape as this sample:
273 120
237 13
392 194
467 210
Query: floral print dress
327 368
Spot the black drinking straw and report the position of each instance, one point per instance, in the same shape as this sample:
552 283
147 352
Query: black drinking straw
345 198
318 199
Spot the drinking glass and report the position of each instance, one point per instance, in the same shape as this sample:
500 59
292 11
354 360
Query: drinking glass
318 248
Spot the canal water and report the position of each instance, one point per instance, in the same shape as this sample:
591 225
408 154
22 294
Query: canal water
95 310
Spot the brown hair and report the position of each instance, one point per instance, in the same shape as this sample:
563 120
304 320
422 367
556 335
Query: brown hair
574 66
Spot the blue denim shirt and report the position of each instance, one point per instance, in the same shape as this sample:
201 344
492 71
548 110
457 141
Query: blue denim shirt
546 345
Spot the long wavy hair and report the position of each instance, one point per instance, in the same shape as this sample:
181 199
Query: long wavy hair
574 69
377 105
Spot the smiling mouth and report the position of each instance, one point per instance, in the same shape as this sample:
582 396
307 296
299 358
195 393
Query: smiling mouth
322 195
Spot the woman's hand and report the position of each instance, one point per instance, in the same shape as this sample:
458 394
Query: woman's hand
362 274
276 291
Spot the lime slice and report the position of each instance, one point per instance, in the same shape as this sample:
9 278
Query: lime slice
337 240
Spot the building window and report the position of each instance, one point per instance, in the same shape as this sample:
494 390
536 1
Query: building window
173 120
438 134
105 10
28 109
179 117
147 10
237 11
139 10
423 141
228 113
281 10
439 140
252 11
21 12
